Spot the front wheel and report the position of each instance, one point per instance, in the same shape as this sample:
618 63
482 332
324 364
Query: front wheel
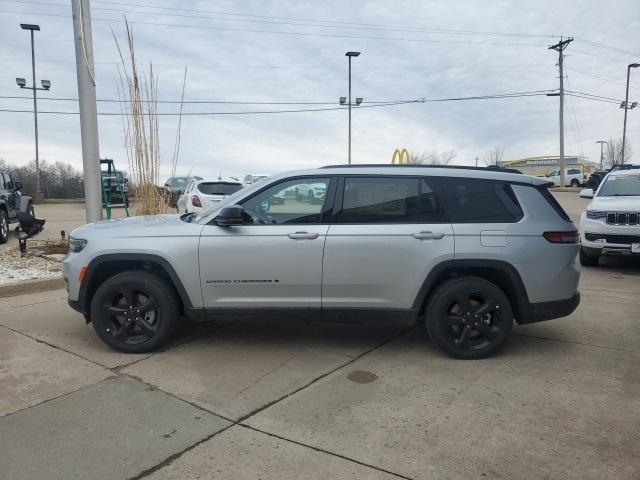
4 227
134 311
575 183
469 318
587 260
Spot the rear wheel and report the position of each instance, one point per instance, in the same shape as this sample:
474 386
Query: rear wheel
469 318
134 311
587 260
575 183
4 227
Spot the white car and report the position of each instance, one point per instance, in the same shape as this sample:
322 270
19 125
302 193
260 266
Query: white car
611 223
312 192
201 194
573 177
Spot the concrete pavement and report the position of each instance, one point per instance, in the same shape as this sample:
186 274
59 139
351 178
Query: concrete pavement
290 400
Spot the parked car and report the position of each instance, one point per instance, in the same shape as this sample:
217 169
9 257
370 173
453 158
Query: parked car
596 177
252 178
573 177
12 202
466 250
174 187
610 225
311 192
201 194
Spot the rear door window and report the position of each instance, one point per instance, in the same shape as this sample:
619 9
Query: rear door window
475 200
379 200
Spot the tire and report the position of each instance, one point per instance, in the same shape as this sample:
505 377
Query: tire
575 183
587 260
4 227
479 332
125 331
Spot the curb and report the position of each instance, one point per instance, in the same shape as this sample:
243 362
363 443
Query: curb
31 286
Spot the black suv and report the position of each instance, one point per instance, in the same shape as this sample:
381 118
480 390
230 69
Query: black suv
12 202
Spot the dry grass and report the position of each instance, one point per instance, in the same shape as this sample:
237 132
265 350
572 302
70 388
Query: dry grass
140 125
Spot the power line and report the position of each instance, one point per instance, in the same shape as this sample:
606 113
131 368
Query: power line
323 23
607 47
604 79
257 112
226 102
290 33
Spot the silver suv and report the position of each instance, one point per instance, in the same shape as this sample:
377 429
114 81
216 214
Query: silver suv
466 250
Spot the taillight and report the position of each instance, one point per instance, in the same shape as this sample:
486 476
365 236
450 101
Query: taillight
562 237
195 200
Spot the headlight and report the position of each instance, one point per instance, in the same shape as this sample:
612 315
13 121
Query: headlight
76 244
593 215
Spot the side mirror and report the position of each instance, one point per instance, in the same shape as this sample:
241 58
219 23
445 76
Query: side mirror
233 215
586 193
18 185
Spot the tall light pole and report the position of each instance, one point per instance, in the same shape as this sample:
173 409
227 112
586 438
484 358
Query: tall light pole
626 107
601 142
46 85
350 55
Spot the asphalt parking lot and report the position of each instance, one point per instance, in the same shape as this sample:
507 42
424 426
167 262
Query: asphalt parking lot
291 400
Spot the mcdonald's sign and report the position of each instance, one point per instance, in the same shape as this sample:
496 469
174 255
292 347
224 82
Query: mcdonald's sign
403 157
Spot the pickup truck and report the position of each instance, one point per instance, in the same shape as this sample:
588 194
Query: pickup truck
12 202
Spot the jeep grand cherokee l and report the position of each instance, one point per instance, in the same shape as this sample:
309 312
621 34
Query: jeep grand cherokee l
466 250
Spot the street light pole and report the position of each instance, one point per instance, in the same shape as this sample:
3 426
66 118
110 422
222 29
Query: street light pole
601 142
626 107
350 54
38 197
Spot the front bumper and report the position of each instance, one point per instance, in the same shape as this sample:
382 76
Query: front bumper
538 312
613 239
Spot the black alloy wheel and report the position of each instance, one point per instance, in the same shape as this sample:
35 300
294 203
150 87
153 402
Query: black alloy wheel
469 318
134 311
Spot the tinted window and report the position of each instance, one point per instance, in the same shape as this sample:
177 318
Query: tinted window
219 188
279 204
573 171
379 200
471 200
431 209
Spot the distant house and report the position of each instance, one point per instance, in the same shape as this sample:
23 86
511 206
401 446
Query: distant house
540 166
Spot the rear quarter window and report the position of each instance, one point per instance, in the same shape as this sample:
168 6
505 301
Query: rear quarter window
474 200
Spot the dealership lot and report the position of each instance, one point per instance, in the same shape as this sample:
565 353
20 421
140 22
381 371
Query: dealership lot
290 400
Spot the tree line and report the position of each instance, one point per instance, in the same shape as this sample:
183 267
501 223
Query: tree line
57 180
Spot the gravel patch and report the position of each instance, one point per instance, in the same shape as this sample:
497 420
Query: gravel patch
14 268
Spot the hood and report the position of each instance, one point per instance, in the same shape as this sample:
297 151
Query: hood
615 204
142 226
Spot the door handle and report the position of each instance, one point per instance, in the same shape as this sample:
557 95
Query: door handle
428 236
303 236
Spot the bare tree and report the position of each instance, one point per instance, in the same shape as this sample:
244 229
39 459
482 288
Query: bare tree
613 152
433 157
494 155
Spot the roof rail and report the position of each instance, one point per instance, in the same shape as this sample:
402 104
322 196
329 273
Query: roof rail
492 168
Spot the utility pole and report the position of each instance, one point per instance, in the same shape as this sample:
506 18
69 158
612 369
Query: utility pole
88 109
601 142
477 161
559 47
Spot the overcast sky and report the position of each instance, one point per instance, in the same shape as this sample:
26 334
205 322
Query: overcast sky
293 51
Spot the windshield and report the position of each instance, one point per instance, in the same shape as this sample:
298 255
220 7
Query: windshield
219 188
621 185
178 181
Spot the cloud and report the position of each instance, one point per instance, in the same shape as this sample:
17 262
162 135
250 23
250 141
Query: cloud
245 65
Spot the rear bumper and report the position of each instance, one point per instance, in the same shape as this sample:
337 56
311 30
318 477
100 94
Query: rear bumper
538 312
